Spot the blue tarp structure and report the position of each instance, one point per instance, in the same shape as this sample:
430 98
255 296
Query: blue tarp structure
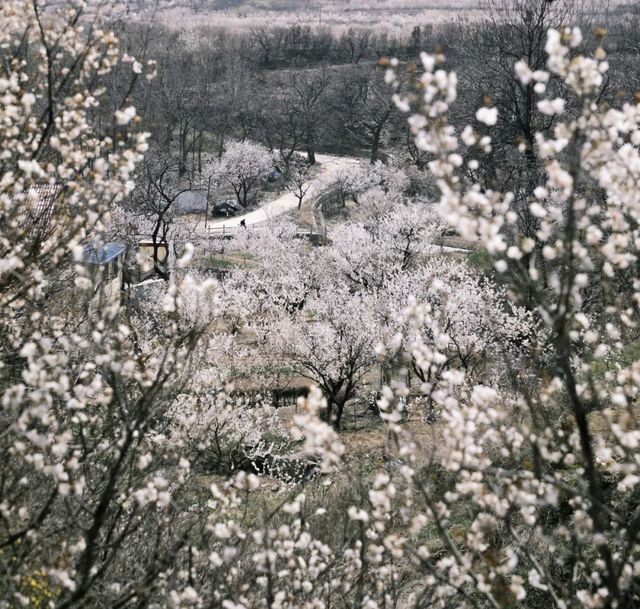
102 254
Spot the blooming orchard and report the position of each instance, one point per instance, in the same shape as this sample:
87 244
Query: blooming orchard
128 462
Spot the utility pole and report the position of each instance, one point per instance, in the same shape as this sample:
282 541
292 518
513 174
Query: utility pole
206 211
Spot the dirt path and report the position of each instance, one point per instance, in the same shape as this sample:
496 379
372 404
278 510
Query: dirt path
329 166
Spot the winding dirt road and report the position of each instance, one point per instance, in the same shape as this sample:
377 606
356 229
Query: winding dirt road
329 166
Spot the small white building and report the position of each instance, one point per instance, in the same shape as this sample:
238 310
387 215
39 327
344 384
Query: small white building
146 264
105 263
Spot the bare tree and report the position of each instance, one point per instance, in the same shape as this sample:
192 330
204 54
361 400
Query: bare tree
362 101
516 30
158 187
230 101
308 90
356 43
263 38
297 177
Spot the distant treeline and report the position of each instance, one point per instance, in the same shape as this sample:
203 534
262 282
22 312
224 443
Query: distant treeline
303 88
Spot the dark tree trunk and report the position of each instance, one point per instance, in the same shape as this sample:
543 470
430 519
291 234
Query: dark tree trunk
184 151
311 155
337 417
375 144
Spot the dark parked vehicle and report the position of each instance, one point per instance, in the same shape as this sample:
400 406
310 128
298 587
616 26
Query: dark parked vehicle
226 208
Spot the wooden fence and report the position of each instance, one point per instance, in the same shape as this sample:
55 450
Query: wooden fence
226 232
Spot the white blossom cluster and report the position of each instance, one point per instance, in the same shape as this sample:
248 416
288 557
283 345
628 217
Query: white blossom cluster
357 180
560 443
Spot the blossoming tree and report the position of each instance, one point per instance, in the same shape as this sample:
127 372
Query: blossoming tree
555 462
241 167
82 482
